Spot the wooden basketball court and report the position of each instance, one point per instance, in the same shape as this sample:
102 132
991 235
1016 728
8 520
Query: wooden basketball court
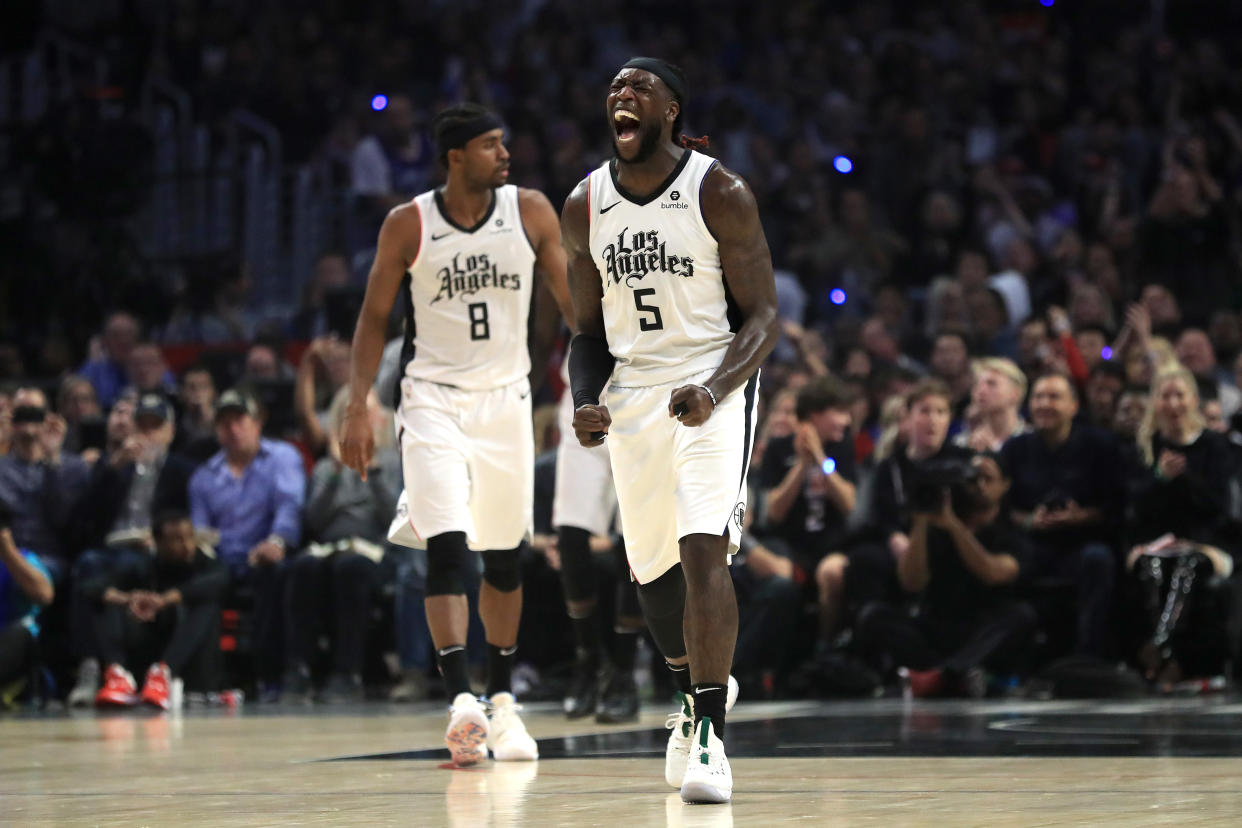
850 763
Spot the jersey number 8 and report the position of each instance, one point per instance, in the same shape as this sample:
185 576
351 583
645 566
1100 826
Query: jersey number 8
479 329
656 323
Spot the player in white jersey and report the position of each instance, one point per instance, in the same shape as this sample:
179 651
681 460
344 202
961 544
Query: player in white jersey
584 515
465 255
676 308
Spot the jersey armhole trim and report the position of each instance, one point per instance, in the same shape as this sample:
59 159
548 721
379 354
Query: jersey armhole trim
702 217
517 195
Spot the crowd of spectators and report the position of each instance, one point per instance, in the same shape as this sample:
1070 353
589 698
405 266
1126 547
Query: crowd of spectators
1009 264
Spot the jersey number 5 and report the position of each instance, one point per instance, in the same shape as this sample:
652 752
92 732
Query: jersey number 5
655 322
479 329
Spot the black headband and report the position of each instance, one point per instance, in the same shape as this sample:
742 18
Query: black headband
456 136
663 70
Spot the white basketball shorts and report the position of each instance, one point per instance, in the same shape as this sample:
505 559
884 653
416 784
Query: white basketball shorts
672 480
468 459
585 498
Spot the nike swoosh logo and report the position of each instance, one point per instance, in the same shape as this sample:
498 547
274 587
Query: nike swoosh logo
523 396
442 235
603 210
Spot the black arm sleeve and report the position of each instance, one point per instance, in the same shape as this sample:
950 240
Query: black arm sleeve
590 366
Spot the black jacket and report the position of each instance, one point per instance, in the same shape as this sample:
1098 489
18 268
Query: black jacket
109 487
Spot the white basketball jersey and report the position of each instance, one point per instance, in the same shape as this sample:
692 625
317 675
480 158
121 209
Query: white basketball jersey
470 290
666 306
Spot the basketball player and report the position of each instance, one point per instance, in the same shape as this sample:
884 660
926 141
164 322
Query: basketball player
676 309
583 509
464 257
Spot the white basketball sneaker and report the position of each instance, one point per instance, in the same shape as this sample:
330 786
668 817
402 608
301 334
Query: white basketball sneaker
677 754
466 736
709 779
507 736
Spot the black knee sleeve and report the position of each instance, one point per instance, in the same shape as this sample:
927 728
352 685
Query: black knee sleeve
502 569
627 590
664 603
579 578
446 554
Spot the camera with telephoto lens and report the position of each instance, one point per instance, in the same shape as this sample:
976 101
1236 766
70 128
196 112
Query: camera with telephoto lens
932 478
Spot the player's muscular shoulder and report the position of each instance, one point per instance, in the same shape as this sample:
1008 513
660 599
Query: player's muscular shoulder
402 229
537 214
574 218
727 199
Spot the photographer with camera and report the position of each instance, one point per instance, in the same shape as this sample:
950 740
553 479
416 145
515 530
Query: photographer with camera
1067 495
962 558
902 479
25 588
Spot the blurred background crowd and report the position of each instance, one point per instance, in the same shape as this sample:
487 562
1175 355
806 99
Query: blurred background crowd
999 436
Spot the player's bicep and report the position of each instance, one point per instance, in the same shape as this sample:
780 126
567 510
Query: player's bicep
585 288
550 258
732 216
396 249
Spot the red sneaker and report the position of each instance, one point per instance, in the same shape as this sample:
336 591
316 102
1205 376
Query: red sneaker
925 684
119 688
155 688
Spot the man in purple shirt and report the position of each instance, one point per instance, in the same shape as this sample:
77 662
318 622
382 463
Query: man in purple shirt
252 492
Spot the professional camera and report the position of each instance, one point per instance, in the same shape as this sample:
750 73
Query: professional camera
932 478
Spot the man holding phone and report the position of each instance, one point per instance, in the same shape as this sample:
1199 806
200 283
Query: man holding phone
39 481
1067 495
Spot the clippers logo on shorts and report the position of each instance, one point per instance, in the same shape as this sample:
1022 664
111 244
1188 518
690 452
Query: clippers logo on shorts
633 255
739 515
467 275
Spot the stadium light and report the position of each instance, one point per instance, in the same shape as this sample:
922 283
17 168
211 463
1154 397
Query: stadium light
379 103
836 296
843 164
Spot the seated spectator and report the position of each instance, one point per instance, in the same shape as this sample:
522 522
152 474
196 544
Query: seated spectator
1092 344
252 492
392 165
1183 487
160 613
950 363
263 362
196 430
1104 386
1194 350
108 370
77 402
331 584
331 271
323 370
1067 494
138 479
961 560
808 482
998 392
40 482
25 588
990 317
148 372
